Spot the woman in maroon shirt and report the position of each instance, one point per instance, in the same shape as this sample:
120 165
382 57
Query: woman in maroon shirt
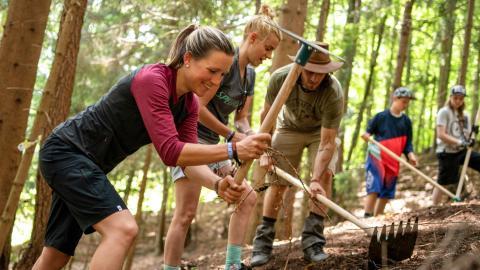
154 104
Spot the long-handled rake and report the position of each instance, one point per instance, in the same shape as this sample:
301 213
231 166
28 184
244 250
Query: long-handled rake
411 167
384 248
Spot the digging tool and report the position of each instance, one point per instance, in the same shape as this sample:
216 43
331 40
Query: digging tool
301 59
384 248
473 134
411 167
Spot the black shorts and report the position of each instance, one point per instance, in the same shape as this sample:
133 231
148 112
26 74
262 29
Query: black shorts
82 194
449 166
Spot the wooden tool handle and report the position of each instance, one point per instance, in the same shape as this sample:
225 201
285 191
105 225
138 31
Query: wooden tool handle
272 114
467 159
336 208
411 167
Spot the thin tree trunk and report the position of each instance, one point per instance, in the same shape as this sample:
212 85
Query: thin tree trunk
53 109
476 84
163 214
404 38
447 12
258 178
432 140
292 17
462 72
393 42
284 222
20 49
138 215
349 42
322 20
368 87
258 5
128 187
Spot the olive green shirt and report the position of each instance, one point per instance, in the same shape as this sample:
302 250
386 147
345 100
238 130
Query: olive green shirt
307 111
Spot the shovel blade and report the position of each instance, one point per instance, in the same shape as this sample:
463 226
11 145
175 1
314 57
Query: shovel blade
394 246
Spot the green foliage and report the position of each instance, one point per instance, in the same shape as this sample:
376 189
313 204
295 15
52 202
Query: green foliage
120 36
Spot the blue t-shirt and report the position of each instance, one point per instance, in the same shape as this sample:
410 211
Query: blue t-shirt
393 132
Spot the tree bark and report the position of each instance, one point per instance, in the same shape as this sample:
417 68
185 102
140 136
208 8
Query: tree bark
404 38
476 84
20 49
368 87
53 109
447 12
163 214
349 42
462 72
322 20
292 17
284 226
128 187
138 215
258 179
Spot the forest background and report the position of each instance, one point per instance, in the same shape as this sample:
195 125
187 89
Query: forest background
66 54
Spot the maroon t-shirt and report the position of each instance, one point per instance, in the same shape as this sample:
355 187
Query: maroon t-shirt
153 87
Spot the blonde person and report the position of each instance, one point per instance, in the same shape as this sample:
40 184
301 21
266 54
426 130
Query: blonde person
156 104
453 129
309 119
234 95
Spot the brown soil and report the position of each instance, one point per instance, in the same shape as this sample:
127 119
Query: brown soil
449 236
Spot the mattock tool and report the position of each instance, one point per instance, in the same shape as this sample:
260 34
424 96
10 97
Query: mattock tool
384 248
306 49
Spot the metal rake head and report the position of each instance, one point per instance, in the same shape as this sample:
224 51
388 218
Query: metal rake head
392 247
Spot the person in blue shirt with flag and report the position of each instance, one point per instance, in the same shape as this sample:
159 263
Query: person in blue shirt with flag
393 129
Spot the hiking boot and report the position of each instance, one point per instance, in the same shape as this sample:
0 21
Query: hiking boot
313 239
315 253
263 243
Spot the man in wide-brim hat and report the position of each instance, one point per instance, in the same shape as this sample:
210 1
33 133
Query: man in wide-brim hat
309 119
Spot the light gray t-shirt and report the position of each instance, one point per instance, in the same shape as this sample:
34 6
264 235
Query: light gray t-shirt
449 119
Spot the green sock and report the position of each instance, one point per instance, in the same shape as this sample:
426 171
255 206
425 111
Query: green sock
233 257
168 267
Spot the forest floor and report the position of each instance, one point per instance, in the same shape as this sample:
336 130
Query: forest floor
448 236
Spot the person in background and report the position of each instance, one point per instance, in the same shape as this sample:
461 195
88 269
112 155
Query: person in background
393 129
453 129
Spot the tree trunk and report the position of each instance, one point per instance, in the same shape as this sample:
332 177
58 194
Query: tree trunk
476 84
258 179
20 49
128 187
138 215
284 222
393 42
163 214
53 109
447 12
404 38
368 87
462 72
349 42
322 20
292 17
